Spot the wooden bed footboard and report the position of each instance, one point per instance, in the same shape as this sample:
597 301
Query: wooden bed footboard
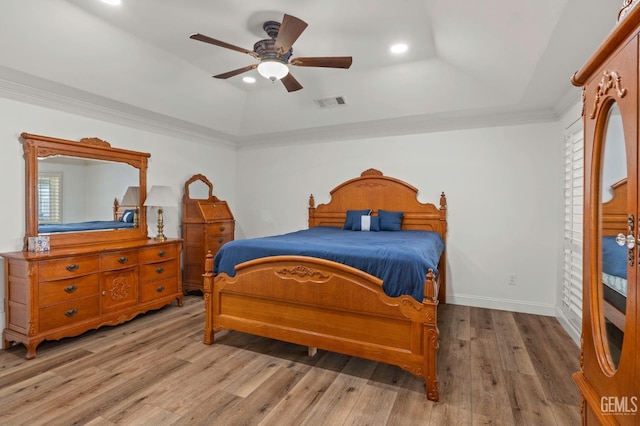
319 303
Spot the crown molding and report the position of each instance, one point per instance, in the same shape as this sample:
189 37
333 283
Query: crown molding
33 90
459 120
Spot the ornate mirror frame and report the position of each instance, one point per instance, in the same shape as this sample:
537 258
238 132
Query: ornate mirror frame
36 146
197 179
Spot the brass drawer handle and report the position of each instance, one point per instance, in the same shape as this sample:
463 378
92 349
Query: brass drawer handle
70 289
160 289
220 240
160 270
73 267
221 228
71 312
123 259
162 253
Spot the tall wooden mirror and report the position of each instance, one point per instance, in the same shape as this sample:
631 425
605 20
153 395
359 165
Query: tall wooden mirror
74 189
615 225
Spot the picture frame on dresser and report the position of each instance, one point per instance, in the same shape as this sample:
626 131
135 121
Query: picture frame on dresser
97 271
207 224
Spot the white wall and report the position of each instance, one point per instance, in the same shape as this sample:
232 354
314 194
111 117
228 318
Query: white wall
503 187
172 162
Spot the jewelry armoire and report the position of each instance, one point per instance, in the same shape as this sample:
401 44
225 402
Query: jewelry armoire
609 376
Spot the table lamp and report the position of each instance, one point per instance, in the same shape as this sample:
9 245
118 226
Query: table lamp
160 196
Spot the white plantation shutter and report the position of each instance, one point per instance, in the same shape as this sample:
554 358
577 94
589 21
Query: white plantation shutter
573 221
49 197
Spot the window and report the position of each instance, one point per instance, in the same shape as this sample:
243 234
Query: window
49 197
573 222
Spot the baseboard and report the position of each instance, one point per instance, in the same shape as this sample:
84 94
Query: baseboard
568 326
502 304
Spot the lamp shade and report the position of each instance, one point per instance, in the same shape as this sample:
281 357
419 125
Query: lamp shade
273 70
160 196
131 197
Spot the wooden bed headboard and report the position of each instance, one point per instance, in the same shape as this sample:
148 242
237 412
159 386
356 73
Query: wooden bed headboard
615 211
374 191
118 211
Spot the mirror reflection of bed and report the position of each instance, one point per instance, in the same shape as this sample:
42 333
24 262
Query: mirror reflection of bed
614 266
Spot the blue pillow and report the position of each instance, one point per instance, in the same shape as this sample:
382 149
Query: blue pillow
390 221
373 223
354 216
127 216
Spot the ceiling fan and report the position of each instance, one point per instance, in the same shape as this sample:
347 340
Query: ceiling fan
274 53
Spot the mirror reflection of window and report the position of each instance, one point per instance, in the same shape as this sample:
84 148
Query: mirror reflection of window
50 197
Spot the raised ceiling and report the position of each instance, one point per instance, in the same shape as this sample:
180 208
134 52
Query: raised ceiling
469 63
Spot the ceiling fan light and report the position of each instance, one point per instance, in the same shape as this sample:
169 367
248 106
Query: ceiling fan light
273 70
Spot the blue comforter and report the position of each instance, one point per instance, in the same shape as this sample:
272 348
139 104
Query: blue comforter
401 259
97 225
614 257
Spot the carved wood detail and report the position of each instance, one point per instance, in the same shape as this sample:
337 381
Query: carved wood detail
627 5
371 172
411 304
416 371
119 289
95 142
610 80
302 273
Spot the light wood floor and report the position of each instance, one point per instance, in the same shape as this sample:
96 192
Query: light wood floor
495 367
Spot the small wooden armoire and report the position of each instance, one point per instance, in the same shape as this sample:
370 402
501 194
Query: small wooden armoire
207 223
609 377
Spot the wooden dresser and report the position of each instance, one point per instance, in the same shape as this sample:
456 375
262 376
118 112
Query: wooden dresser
66 292
94 271
207 224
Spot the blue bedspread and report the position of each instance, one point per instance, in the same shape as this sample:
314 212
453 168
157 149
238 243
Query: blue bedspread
614 257
401 259
96 225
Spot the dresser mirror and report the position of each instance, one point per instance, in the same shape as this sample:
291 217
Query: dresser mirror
198 188
616 247
74 191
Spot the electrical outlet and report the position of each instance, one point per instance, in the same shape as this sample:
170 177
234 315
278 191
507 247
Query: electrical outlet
513 279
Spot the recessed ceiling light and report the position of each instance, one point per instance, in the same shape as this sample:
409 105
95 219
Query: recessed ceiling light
112 2
249 80
399 48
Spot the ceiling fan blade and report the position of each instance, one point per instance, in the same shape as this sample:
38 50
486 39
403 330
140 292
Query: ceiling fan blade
207 39
290 83
290 30
235 72
327 62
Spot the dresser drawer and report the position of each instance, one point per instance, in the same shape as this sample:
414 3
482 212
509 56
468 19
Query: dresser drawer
118 260
158 253
67 267
220 228
52 292
156 289
69 312
158 271
215 242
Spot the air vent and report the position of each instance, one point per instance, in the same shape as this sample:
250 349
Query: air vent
333 101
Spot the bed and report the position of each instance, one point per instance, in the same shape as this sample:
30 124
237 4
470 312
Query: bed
321 303
124 217
614 256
